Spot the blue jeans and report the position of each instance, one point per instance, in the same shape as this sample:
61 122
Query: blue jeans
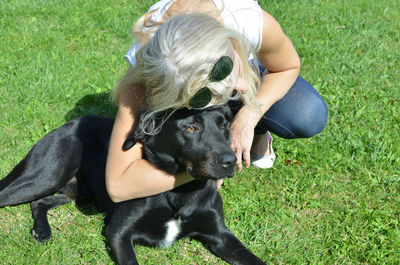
301 113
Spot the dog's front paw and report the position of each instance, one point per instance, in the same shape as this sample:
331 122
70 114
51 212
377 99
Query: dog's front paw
41 236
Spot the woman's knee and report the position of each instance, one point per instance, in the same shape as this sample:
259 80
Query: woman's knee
314 119
310 113
301 113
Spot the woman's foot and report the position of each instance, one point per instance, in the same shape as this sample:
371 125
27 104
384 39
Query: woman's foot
262 153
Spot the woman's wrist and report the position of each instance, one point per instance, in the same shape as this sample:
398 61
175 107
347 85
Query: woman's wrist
251 115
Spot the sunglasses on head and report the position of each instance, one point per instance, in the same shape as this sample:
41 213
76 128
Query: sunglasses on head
222 68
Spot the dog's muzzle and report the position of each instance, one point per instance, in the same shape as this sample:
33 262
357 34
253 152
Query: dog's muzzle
219 167
227 161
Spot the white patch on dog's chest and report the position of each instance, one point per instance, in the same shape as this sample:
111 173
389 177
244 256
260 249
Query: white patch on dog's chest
173 229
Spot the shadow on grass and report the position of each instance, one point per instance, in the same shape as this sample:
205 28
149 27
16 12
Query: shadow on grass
95 104
101 105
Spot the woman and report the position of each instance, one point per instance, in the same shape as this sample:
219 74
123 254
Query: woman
200 53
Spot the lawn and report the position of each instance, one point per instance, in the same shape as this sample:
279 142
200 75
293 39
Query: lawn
331 199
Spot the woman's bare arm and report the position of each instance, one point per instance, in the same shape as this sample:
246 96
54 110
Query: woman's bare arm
128 175
279 56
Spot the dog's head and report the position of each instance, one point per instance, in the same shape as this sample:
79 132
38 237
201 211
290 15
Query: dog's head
195 141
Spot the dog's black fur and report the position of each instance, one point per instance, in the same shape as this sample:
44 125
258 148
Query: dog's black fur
71 161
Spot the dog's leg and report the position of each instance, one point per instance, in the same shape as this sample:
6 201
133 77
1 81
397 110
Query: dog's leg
228 247
41 229
123 249
50 164
121 245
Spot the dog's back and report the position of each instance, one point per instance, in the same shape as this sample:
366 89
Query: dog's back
30 179
61 151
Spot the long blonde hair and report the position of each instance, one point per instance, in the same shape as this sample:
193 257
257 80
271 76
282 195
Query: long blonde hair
176 62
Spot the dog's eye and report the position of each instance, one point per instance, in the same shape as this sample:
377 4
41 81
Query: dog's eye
222 126
191 129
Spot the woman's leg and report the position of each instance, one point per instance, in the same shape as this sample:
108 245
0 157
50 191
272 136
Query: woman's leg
301 113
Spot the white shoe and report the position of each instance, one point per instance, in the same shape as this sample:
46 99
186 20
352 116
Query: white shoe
267 160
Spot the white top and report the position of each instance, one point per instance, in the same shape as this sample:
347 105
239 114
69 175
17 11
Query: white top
244 16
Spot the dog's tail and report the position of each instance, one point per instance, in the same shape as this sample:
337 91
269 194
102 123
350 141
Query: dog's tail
49 165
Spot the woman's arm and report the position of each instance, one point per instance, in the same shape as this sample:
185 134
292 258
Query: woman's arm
128 175
279 56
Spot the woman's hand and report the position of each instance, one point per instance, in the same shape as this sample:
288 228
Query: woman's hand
219 183
242 134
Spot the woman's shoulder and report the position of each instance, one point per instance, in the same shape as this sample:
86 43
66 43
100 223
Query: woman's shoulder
159 8
237 3
245 16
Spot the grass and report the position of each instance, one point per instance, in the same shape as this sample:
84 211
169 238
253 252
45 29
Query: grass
331 199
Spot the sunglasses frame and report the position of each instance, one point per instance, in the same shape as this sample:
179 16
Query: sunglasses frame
221 69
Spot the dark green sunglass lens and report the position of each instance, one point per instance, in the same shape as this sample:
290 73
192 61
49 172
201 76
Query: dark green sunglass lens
201 98
222 68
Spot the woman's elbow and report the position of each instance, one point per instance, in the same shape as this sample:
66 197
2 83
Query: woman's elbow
117 192
296 65
113 193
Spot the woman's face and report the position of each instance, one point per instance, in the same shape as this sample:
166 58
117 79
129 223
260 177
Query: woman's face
241 84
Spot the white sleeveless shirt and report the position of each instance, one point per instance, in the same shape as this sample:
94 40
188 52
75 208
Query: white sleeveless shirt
244 16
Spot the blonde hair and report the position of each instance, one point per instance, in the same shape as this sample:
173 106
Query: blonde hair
176 63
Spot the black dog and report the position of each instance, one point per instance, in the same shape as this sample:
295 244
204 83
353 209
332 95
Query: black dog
71 161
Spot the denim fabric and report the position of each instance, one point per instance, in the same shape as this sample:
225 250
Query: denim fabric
301 113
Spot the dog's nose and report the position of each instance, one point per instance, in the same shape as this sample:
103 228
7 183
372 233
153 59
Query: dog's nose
227 160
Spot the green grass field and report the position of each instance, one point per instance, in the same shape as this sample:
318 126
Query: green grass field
332 199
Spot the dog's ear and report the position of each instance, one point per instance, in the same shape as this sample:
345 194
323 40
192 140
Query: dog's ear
136 136
163 161
227 112
129 142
